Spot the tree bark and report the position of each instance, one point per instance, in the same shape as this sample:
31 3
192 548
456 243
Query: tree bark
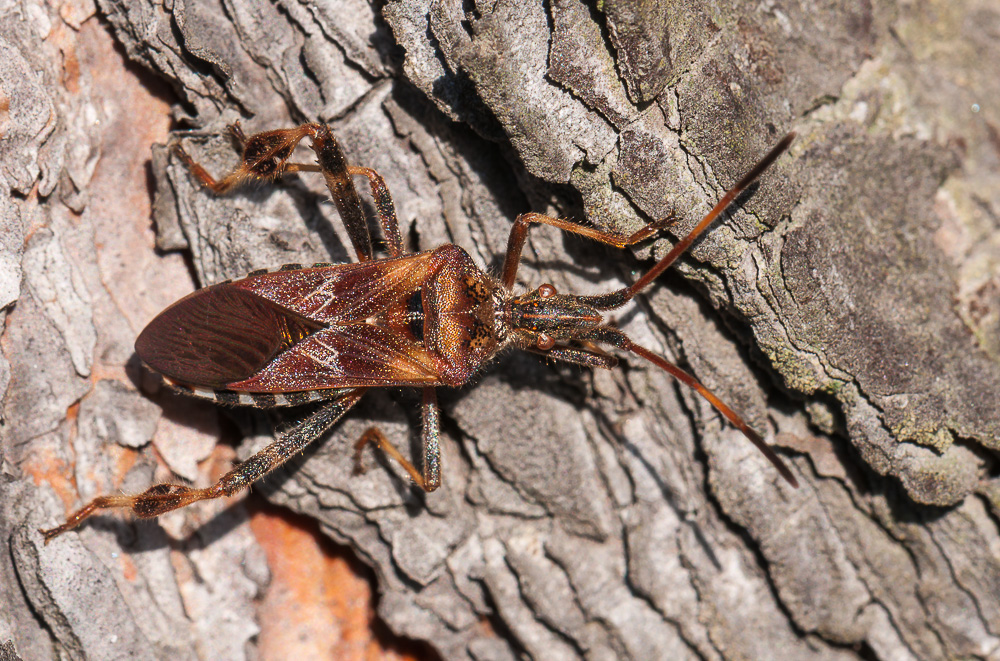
849 307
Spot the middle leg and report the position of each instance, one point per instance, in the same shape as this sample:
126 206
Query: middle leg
430 435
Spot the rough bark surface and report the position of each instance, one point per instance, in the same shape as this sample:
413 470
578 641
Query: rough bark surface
850 308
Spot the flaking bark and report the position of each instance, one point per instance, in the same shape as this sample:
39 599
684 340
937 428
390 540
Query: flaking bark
849 308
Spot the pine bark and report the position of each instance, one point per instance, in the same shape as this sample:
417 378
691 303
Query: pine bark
849 307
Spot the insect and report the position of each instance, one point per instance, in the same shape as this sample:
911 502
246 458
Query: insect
327 333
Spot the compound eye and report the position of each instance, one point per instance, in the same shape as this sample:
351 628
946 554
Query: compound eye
546 291
545 342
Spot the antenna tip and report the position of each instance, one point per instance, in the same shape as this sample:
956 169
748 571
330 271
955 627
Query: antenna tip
786 141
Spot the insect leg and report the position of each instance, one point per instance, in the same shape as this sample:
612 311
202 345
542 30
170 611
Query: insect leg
430 437
383 202
519 234
333 165
386 209
619 298
236 131
578 356
618 339
265 156
162 498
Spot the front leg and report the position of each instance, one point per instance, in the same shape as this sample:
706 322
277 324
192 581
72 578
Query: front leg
577 356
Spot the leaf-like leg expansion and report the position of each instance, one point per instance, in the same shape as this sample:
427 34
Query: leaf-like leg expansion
265 156
162 498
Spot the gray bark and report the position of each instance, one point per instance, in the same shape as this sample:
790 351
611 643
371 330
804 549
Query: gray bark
849 308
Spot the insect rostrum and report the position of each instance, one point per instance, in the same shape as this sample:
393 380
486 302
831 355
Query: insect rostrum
330 332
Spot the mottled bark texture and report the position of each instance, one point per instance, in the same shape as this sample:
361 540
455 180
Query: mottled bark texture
850 308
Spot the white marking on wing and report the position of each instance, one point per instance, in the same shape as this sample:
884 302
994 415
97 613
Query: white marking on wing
323 355
325 292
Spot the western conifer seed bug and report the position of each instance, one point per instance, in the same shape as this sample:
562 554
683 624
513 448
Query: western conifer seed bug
327 333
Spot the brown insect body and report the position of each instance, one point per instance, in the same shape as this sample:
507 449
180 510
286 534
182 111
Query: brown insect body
328 332
429 319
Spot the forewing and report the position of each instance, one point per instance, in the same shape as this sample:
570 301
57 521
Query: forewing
218 335
294 330
346 356
346 292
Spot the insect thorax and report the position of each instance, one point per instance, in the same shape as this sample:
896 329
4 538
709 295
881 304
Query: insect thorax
462 323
